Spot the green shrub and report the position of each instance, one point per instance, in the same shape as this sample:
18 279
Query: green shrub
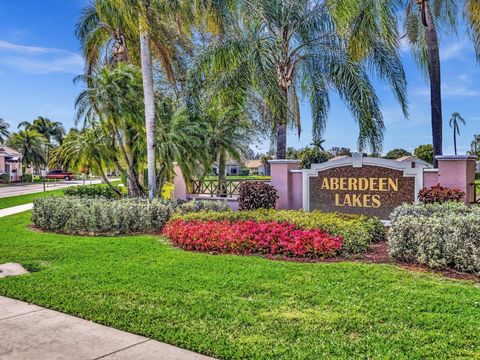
100 216
92 191
4 179
27 177
358 231
201 205
257 195
106 216
437 235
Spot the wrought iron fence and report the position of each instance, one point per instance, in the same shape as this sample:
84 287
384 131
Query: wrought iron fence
224 188
476 193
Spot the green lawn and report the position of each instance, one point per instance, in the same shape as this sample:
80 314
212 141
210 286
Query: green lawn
244 307
26 199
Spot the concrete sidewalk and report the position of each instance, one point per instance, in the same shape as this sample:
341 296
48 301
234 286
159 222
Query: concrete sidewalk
15 209
32 332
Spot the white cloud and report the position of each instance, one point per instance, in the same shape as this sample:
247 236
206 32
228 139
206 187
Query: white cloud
460 85
453 50
39 60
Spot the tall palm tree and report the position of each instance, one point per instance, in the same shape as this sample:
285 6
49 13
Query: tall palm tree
454 121
31 145
293 48
4 133
112 101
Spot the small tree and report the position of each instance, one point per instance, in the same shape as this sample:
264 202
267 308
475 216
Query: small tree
397 154
425 153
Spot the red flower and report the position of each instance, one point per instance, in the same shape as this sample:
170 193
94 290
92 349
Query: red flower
250 237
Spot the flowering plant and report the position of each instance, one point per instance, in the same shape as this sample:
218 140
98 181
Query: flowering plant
250 237
439 194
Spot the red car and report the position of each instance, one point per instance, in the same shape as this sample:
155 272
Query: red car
59 174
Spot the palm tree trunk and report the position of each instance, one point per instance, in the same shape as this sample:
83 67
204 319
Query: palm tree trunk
147 75
282 129
455 138
435 81
222 165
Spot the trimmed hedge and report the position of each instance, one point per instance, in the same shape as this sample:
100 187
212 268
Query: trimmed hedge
104 216
358 232
99 216
93 191
437 235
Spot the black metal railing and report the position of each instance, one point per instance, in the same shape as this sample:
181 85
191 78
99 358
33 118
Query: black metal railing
476 193
224 188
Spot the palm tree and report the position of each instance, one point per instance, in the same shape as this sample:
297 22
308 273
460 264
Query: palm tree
4 133
182 140
475 146
112 102
292 48
456 118
51 130
88 148
31 145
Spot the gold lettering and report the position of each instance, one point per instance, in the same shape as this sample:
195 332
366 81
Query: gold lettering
393 184
373 184
325 184
362 184
376 201
337 200
343 183
352 184
357 200
366 201
334 184
382 184
347 201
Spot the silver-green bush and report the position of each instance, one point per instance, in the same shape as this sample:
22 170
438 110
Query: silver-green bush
101 216
75 215
437 235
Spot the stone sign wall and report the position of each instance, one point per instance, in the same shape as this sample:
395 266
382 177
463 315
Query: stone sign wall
359 185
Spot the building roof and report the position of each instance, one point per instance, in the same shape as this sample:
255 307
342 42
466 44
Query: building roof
414 159
339 157
6 151
252 164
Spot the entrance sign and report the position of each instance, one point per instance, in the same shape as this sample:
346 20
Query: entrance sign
362 185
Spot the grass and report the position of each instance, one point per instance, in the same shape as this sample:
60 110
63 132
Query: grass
243 307
10 201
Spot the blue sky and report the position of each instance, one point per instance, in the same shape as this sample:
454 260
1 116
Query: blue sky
39 56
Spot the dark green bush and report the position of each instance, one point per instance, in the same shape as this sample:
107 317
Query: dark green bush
257 195
27 177
93 191
4 179
358 231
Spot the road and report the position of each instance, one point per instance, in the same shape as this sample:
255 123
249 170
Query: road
35 188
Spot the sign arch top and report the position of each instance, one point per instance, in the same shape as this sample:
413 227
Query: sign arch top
362 185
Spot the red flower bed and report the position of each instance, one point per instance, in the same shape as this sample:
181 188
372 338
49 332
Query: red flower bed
250 237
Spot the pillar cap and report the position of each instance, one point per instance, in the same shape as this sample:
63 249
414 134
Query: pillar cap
284 161
456 157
